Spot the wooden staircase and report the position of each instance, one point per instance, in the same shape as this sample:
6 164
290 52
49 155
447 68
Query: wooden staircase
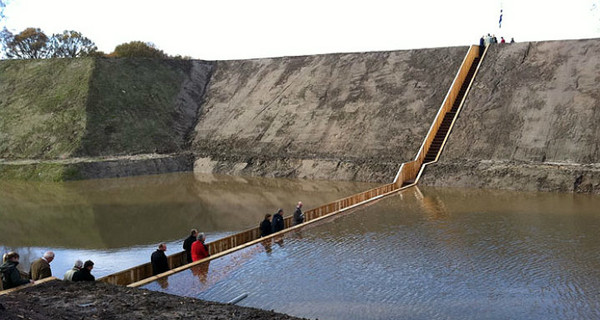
442 132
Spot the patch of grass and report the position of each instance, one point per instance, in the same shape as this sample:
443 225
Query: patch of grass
130 108
42 107
37 172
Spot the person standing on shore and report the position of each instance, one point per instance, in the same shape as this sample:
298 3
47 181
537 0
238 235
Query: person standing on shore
69 274
85 274
11 277
278 224
159 260
265 226
187 244
298 215
40 268
199 249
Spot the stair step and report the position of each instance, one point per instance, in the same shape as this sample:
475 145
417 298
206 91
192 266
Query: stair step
449 117
405 183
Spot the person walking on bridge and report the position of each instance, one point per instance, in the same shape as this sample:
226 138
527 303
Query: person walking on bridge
11 277
199 249
278 224
265 226
40 268
159 260
187 244
298 215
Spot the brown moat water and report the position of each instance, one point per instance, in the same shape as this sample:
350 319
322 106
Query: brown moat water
424 254
117 223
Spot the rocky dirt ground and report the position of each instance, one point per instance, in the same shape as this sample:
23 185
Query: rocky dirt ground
513 175
64 300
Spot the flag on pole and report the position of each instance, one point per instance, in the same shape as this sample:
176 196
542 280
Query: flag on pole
500 22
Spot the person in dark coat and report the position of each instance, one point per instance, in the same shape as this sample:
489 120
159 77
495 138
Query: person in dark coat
278 224
159 260
187 244
11 277
298 215
481 45
199 249
265 226
85 274
40 268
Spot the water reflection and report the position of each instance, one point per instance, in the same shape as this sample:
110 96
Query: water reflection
426 254
117 222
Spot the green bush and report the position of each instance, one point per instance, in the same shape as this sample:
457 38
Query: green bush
138 49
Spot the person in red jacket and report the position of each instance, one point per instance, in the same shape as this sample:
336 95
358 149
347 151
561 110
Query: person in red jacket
199 249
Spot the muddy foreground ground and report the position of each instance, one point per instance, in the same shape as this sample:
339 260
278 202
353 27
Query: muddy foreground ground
64 300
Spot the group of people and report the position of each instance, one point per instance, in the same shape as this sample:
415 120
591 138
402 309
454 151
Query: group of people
194 246
196 249
491 39
272 224
40 269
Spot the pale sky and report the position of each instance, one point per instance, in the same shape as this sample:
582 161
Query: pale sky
239 29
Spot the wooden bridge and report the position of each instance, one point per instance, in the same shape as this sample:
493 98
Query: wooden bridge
407 176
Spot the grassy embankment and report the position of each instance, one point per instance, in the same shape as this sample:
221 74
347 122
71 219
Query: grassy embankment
57 109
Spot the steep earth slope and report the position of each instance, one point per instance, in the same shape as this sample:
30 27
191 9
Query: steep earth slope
338 116
530 121
87 118
42 107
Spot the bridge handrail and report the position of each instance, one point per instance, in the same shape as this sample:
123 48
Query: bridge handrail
7 291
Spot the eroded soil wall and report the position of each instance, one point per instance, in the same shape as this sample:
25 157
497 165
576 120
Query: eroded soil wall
530 121
337 116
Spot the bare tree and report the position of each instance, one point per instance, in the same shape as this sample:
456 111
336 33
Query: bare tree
71 44
31 43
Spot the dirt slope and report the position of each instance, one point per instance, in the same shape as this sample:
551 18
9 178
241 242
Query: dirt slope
529 122
339 116
78 300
